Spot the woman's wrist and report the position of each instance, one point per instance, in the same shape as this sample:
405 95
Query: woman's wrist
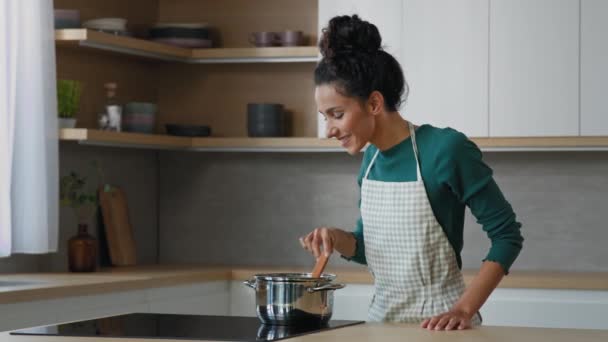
344 242
464 310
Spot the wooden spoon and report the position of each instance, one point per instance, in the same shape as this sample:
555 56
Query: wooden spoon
319 266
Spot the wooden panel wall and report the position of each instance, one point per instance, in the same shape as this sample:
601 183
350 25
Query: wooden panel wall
135 76
236 19
217 95
136 79
140 14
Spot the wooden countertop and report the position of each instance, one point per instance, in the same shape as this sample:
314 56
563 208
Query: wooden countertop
26 287
393 332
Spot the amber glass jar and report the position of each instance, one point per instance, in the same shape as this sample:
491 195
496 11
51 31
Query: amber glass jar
82 251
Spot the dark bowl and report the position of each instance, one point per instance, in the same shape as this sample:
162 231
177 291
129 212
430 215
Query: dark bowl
188 130
178 32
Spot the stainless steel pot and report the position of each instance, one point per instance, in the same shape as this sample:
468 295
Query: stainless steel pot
293 298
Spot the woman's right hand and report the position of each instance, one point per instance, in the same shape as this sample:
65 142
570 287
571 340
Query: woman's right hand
321 238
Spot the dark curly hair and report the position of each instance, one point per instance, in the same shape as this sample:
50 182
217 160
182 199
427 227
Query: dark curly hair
354 61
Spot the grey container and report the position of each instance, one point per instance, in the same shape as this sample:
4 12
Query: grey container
266 120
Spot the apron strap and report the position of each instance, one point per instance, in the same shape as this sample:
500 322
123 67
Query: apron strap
415 147
371 164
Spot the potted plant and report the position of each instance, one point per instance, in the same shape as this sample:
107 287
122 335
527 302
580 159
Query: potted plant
82 248
68 101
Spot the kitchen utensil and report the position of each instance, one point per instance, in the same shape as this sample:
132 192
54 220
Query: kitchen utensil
290 38
182 25
119 233
109 24
293 298
263 39
319 266
266 120
139 117
66 18
188 130
192 43
179 32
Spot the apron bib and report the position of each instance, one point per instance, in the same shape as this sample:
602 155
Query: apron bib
415 272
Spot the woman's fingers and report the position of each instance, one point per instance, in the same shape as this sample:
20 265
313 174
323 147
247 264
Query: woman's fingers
442 322
302 243
328 244
453 323
317 239
432 323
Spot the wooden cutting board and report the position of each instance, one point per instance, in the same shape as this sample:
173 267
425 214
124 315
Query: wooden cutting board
119 233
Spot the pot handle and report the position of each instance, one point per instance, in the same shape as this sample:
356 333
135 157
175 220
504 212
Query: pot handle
250 283
325 287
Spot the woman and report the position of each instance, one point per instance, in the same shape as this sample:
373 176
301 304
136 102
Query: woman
415 183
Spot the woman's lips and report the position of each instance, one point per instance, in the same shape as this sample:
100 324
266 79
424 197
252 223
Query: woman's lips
344 140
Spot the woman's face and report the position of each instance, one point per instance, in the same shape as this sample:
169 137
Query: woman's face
347 118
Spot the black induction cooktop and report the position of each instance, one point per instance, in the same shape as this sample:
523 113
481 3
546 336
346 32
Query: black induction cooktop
187 327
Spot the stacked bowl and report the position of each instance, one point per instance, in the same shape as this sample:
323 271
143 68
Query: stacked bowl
139 117
266 120
67 18
187 35
117 26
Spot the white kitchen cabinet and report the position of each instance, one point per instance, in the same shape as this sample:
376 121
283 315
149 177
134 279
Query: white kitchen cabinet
44 312
205 298
534 68
445 61
242 299
577 309
385 14
211 298
594 67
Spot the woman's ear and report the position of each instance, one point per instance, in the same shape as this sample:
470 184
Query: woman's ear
375 103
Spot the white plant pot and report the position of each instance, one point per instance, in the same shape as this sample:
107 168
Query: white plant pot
67 123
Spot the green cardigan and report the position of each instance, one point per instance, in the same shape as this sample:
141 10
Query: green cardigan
454 175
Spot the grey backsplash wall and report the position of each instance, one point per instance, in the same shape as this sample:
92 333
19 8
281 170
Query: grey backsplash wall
136 172
250 208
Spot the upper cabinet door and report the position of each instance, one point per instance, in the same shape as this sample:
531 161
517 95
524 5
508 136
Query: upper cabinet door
385 14
534 67
445 61
594 67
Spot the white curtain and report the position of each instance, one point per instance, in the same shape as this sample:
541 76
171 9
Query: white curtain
29 157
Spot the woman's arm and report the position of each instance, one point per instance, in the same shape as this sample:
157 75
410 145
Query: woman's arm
468 177
476 294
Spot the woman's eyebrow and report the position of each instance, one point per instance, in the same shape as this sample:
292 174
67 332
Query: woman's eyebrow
329 110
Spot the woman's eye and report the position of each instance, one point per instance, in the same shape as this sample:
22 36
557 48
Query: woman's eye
338 115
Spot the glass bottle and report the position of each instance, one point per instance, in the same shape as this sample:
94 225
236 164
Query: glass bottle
110 117
82 251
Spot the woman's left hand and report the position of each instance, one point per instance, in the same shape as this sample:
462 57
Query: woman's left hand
451 320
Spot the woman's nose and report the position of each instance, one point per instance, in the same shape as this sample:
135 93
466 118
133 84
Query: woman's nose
331 131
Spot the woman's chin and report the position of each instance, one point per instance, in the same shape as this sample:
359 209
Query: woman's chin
353 149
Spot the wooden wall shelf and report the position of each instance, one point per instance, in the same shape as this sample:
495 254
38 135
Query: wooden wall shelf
145 48
306 144
237 144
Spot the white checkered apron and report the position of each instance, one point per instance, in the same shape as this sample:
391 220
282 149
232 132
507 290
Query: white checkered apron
415 272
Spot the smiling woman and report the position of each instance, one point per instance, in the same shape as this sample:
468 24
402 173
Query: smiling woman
415 183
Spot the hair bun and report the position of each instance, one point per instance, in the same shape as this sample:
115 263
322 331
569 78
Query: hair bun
349 34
